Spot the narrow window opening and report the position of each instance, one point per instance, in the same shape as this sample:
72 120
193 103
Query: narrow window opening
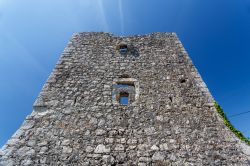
124 91
123 48
171 99
182 80
75 100
124 98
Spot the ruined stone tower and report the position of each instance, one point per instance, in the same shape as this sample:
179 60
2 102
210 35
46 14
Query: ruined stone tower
134 100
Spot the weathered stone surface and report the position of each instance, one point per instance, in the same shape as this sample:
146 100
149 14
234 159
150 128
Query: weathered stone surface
100 132
108 159
119 147
66 149
170 118
25 151
102 149
7 162
28 124
154 147
158 156
164 146
89 149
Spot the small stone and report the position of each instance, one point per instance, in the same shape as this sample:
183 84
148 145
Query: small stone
143 147
109 140
118 140
168 107
43 160
87 133
121 157
101 122
53 102
67 111
30 152
143 154
89 149
25 151
172 141
149 131
158 156
119 147
27 162
32 143
209 104
66 142
172 157
168 132
113 132
142 164
93 121
66 149
94 155
121 131
132 147
154 147
100 132
102 149
164 146
43 150
159 118
106 86
144 159
132 141
86 163
123 140
68 102
108 159
98 115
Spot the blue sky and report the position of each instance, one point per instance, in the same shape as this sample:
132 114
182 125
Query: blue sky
33 34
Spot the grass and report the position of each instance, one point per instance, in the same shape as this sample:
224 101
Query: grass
229 125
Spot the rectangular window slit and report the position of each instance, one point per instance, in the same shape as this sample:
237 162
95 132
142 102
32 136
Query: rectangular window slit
124 98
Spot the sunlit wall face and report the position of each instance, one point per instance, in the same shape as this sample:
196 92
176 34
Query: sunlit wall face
34 33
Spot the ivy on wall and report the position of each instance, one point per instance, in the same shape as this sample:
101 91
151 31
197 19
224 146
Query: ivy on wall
229 125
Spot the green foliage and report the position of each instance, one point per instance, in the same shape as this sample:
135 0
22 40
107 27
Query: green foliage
229 125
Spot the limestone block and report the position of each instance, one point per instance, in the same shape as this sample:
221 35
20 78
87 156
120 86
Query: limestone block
102 149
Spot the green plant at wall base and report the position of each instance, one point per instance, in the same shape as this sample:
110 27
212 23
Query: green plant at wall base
229 125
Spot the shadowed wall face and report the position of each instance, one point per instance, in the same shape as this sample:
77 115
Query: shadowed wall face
167 115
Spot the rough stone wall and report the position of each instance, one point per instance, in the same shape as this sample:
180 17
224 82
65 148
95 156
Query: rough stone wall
78 121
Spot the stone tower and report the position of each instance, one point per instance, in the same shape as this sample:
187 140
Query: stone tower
134 100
